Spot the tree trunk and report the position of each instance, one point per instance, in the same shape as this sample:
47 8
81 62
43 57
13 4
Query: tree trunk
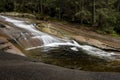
118 6
59 13
41 6
15 5
100 22
93 13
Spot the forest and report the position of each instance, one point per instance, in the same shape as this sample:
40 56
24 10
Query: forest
101 14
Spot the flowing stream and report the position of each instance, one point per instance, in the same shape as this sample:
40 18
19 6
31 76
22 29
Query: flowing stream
29 37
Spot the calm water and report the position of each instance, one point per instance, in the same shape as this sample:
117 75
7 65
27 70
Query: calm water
74 60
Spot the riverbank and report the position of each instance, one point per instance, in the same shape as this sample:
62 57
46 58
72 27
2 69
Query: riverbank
83 34
21 31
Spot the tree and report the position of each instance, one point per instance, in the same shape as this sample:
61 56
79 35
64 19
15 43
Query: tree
93 13
99 13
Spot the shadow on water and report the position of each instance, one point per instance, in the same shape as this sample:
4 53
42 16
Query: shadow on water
65 57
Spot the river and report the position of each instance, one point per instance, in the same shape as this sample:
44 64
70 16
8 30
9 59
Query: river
52 49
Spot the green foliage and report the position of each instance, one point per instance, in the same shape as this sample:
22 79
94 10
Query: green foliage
102 13
108 16
84 16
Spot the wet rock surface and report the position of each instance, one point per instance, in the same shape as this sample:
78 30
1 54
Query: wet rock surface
96 43
88 36
7 46
14 67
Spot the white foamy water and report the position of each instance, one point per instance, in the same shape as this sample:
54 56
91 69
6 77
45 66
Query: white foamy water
51 41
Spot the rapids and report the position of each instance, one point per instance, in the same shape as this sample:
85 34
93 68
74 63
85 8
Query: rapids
31 33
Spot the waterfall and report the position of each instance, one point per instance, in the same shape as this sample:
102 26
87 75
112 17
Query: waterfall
52 41
49 39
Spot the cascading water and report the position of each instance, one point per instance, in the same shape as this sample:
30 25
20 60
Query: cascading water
46 40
